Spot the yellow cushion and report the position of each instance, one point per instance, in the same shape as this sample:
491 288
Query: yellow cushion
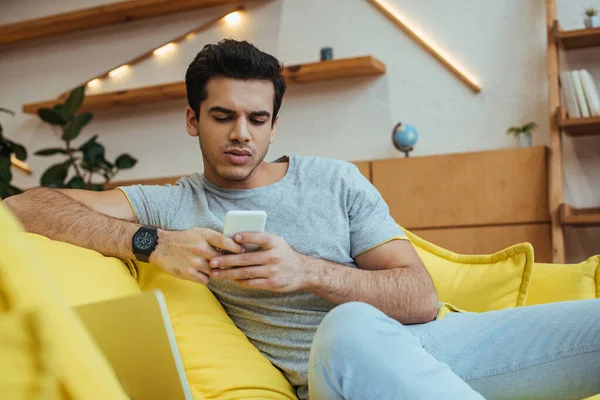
26 358
26 285
478 282
83 275
563 282
219 360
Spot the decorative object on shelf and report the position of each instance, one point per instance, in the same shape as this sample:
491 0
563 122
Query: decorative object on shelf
592 19
404 137
326 53
86 160
8 151
523 133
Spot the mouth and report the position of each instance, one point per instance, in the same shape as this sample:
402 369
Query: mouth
238 156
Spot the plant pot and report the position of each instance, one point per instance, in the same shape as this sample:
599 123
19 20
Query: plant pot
592 22
525 139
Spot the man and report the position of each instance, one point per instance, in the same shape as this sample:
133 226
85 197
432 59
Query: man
330 241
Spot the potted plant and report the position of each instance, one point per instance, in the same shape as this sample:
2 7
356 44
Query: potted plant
523 133
82 162
8 148
592 19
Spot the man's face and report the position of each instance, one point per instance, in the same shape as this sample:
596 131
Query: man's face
234 128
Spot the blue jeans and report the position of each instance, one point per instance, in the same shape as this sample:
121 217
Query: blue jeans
549 351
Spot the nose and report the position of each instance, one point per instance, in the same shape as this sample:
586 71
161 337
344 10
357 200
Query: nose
239 131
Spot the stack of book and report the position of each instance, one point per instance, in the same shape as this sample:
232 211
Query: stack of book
580 94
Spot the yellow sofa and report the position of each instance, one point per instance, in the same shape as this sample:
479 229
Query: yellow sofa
49 354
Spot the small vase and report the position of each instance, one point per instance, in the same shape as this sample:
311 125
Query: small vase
592 22
525 139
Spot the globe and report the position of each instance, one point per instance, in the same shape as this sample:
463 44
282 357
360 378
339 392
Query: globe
404 137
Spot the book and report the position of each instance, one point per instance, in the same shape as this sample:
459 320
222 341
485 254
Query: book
583 107
569 95
591 92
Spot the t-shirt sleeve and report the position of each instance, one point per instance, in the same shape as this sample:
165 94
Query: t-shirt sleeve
371 224
154 205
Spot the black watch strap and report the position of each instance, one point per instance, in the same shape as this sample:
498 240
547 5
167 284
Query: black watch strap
143 242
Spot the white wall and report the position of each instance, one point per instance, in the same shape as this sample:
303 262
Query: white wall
502 43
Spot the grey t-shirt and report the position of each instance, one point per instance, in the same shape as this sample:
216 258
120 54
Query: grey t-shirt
322 207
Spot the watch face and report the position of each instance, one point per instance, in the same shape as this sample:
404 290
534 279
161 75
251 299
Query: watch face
144 240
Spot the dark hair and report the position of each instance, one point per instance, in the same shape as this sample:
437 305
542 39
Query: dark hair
232 59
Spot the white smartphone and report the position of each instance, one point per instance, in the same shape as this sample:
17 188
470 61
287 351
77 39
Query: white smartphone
245 221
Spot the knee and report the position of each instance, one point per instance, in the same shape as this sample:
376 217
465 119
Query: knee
351 331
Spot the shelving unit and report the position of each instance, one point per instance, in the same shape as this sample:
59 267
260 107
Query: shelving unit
94 17
578 39
562 214
580 126
579 216
295 74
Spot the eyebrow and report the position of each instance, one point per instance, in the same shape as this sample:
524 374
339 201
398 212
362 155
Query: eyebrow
227 111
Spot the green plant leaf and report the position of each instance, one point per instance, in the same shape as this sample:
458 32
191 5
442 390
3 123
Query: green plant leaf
5 172
88 143
529 127
19 151
125 161
73 128
94 154
55 175
50 152
12 190
74 100
51 116
513 130
97 187
60 109
85 118
76 182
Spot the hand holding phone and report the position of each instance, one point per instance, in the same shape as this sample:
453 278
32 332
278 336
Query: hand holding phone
245 221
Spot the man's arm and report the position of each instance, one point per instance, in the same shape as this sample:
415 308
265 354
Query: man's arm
102 221
105 222
391 276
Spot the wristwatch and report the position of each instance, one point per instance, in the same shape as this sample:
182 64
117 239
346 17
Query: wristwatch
144 242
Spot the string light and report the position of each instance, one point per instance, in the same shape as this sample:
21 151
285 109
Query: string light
93 82
167 48
118 71
233 18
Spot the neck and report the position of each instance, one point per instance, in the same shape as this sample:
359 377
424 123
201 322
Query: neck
265 174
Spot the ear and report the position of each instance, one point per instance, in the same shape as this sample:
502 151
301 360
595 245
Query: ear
274 130
191 122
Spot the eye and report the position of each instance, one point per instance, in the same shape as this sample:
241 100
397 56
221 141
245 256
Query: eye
257 122
222 119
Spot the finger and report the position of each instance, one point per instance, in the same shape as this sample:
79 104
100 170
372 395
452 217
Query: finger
200 264
241 273
240 260
206 251
264 240
258 283
219 241
191 275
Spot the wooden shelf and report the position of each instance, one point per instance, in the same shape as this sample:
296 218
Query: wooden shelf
579 217
580 126
579 39
110 14
303 73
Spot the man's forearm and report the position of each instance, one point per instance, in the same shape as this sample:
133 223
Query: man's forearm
53 214
405 293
